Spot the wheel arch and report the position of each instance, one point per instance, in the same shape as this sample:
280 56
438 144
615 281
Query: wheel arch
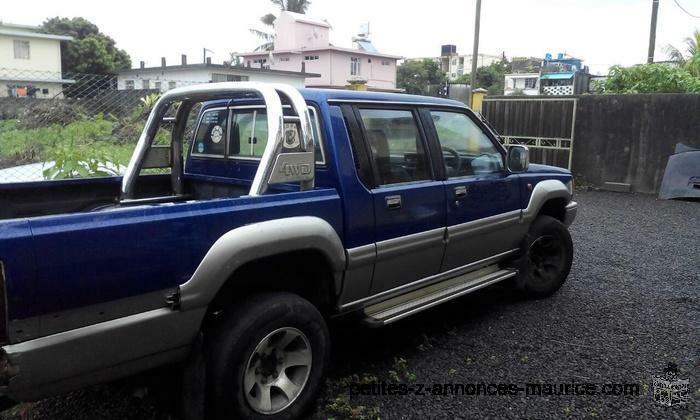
549 197
260 245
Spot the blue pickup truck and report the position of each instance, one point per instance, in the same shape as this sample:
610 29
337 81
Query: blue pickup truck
280 209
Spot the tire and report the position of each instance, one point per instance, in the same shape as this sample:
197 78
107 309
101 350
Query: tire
242 363
546 262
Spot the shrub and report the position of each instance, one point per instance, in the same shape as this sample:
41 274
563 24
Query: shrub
649 78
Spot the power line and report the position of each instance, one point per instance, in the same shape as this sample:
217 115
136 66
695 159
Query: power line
686 12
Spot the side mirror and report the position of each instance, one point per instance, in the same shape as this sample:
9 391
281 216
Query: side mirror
518 158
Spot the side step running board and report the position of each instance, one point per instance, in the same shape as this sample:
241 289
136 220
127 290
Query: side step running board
405 305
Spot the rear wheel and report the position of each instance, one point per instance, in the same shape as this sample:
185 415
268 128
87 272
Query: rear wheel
267 358
549 254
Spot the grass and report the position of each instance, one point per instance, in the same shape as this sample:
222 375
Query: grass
21 146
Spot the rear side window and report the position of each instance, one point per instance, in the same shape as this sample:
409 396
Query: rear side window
396 146
210 139
248 134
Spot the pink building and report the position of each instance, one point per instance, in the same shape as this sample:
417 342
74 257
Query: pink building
303 41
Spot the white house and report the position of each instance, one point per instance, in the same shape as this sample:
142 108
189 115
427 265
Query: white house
522 83
30 62
165 77
302 40
455 65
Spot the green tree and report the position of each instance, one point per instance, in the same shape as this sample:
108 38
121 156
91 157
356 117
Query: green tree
90 51
268 38
690 60
489 77
416 76
650 78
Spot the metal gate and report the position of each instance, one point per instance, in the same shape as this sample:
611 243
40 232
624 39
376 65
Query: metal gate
546 125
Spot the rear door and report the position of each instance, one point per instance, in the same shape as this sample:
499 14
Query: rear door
482 198
409 201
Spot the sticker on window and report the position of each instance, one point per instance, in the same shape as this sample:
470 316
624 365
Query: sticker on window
217 133
200 147
291 136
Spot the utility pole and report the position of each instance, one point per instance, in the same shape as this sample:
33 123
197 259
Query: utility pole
652 31
475 53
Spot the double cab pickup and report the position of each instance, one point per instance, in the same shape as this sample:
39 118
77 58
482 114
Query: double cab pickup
268 211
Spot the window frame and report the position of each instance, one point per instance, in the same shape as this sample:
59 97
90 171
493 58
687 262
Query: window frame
16 43
231 110
426 115
199 125
433 175
355 66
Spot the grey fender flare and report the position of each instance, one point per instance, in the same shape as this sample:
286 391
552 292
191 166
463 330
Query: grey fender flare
543 192
251 242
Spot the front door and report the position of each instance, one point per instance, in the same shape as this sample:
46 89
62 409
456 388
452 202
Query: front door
482 198
409 203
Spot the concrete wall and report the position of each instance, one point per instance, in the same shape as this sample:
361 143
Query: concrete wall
628 138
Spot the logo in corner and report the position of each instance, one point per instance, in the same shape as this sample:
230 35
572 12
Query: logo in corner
669 389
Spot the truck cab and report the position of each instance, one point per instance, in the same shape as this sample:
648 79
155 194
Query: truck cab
271 211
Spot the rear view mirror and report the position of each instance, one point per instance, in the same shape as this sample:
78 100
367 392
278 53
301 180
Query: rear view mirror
518 158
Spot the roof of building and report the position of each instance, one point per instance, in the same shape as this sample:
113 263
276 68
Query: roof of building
220 67
330 47
13 29
298 17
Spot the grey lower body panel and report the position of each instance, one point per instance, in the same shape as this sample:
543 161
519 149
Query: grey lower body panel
96 353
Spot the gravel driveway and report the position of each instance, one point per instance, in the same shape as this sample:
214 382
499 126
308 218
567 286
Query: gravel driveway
630 307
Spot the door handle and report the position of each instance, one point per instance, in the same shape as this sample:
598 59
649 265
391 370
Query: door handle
460 192
393 202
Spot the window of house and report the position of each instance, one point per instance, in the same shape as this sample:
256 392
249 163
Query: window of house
354 66
386 63
210 138
21 49
396 146
466 149
172 84
158 84
530 82
129 84
218 77
284 59
310 57
145 84
260 61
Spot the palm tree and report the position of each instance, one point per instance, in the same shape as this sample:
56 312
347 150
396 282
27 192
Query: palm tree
692 43
268 38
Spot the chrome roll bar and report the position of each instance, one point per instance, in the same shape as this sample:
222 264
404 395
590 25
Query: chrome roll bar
275 166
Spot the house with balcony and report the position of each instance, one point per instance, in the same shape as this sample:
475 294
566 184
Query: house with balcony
456 65
564 75
30 62
303 43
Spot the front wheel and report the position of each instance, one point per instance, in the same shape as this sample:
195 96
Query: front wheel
267 358
549 253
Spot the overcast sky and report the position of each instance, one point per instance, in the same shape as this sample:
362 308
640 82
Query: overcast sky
602 32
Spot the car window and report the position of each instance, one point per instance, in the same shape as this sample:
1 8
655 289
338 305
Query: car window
466 149
396 146
249 134
210 138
